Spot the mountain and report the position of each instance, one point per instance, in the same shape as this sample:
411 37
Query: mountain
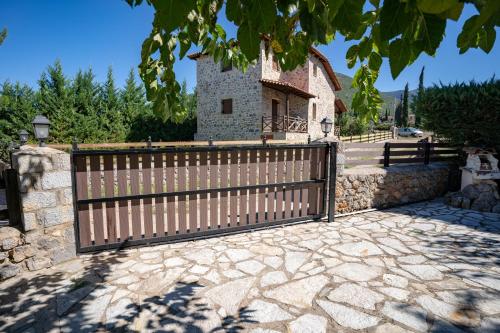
391 98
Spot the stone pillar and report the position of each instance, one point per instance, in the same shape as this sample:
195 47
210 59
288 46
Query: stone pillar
46 204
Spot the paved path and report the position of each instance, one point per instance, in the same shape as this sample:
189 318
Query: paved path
419 268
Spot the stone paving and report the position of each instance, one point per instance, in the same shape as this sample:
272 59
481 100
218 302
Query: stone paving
422 267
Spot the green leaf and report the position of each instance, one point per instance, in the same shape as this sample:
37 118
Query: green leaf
265 11
453 13
351 55
348 18
375 61
393 19
233 10
487 39
431 31
333 7
249 41
3 35
399 56
170 13
435 6
365 47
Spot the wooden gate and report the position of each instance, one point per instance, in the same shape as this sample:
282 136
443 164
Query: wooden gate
139 196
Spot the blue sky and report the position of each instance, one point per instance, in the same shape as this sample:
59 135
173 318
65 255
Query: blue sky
99 33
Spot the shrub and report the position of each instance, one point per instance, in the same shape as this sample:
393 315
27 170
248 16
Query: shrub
464 114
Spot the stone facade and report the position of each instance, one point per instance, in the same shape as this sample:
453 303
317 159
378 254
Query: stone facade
251 100
364 188
46 208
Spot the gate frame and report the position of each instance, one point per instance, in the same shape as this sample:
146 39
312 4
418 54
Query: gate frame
328 181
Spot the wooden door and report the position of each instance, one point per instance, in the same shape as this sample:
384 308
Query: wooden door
275 115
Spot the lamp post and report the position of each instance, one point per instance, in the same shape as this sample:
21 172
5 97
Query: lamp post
23 137
41 128
326 125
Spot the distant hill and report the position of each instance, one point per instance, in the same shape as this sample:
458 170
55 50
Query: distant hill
391 98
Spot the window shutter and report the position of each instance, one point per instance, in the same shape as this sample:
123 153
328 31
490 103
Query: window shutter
227 106
314 111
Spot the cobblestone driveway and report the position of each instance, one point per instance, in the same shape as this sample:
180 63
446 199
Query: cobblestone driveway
419 268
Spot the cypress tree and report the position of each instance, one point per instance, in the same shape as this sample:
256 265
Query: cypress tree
398 114
418 99
405 108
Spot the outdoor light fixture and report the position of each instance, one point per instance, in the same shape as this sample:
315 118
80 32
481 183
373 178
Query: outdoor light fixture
41 127
23 137
326 125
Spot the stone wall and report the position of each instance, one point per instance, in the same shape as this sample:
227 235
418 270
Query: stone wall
46 209
363 188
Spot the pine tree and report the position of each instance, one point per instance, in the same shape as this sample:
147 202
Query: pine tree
111 120
55 102
132 100
86 103
405 108
386 118
418 99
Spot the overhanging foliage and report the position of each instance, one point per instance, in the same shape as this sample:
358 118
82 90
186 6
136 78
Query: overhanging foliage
395 30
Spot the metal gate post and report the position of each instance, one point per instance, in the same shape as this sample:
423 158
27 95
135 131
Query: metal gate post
74 147
332 178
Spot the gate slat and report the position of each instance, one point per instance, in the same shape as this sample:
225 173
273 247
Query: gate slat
147 202
271 193
233 182
203 196
252 178
135 190
297 177
313 189
181 199
121 175
214 161
288 178
170 185
97 211
159 202
305 176
243 182
262 180
223 184
321 175
109 188
280 178
82 191
193 201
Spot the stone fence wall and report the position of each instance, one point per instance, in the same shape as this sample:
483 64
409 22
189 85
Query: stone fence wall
46 211
371 187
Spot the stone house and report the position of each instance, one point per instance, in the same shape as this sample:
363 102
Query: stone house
233 105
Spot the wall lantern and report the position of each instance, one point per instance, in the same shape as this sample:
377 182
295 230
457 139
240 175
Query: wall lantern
41 127
23 137
326 125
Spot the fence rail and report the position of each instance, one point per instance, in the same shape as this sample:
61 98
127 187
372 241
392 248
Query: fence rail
389 153
367 138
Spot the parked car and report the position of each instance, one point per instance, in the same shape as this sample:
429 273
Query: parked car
410 131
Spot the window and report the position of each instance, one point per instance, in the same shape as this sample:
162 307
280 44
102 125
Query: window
314 111
226 67
276 64
315 70
227 106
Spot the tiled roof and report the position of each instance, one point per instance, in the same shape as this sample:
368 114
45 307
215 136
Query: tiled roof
285 87
322 58
340 106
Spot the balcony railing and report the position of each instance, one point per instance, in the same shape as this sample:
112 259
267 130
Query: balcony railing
284 124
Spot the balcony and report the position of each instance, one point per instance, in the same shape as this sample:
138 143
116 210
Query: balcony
284 124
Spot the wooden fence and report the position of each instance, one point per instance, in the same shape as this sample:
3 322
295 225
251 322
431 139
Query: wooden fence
367 138
135 196
397 153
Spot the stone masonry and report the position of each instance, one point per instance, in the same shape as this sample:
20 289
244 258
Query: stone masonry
364 188
46 208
